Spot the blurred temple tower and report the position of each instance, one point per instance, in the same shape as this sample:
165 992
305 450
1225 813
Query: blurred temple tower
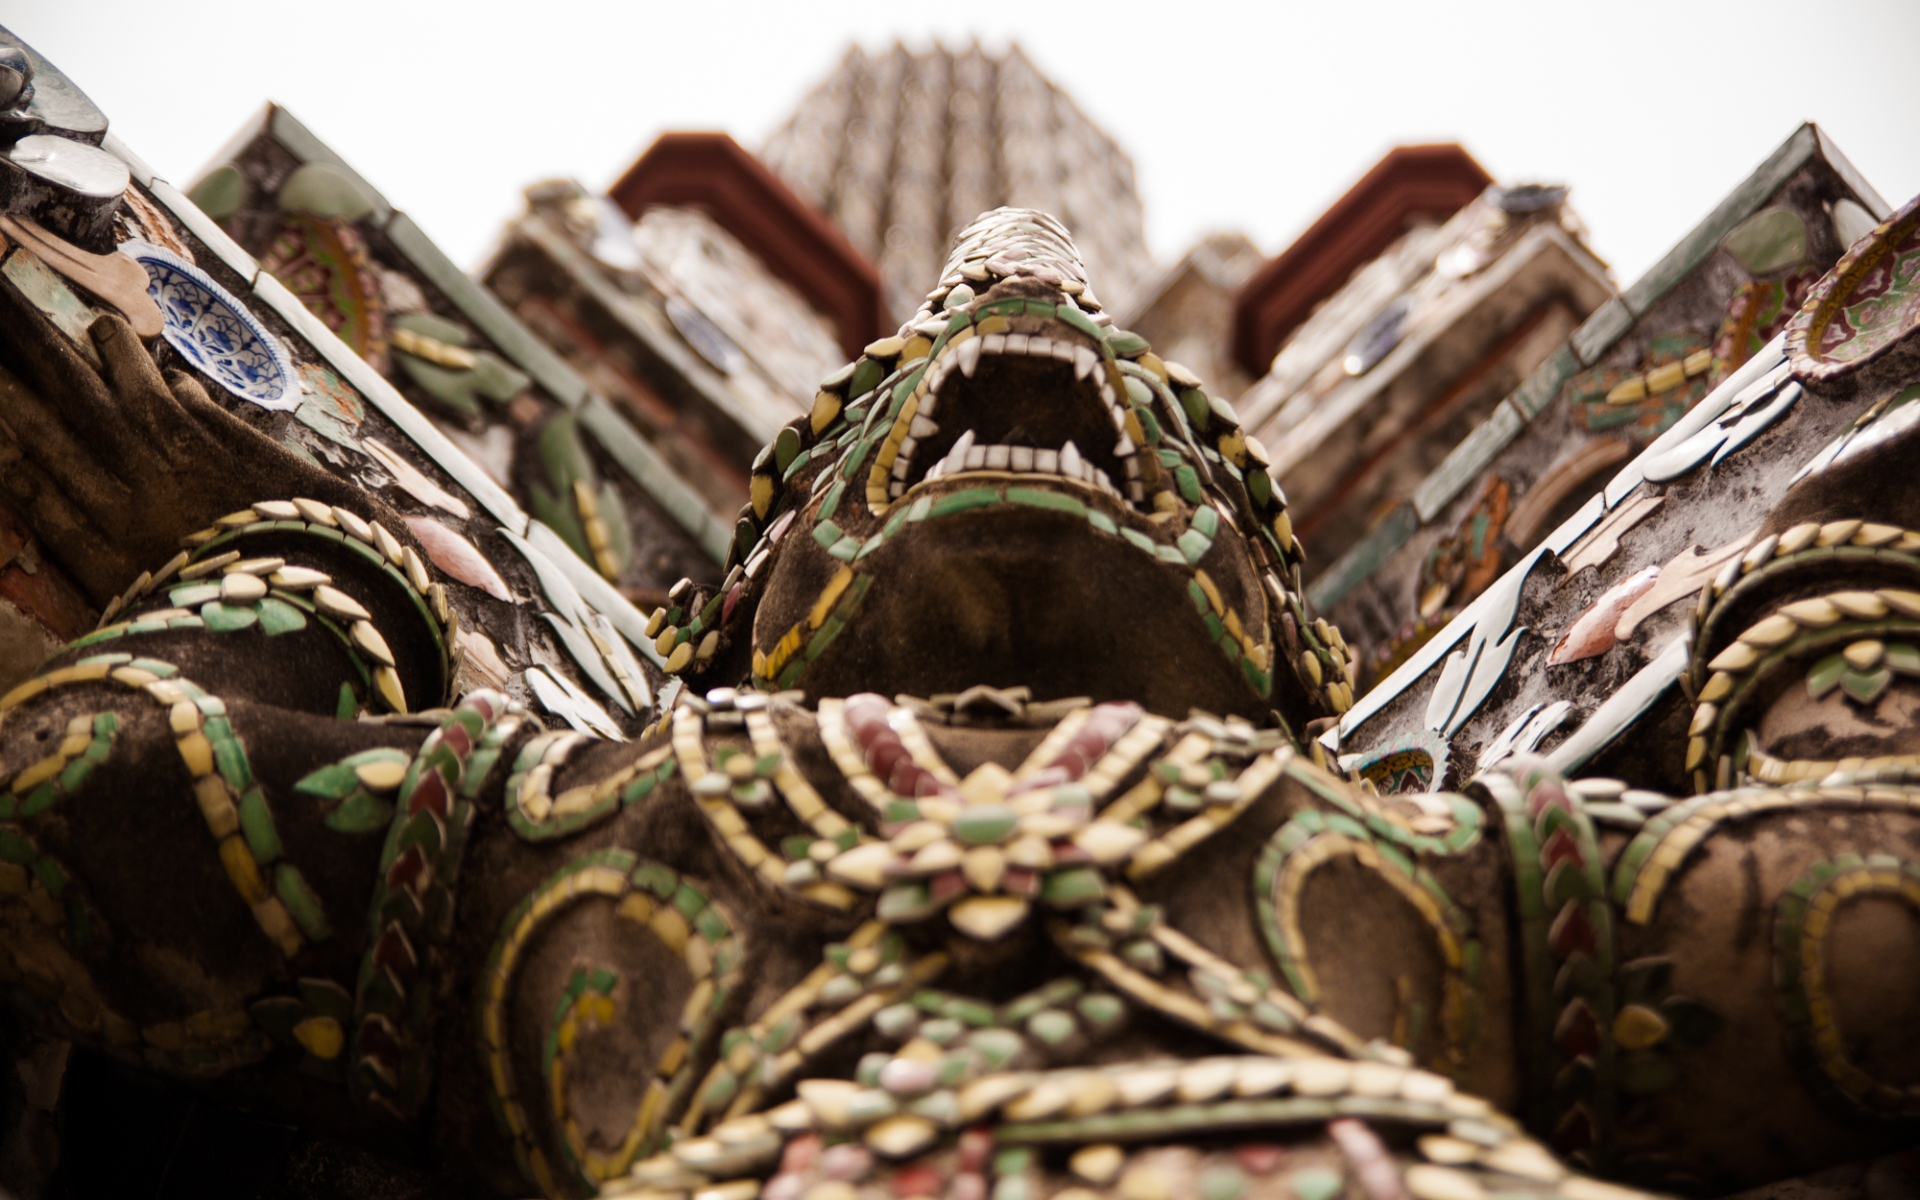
901 148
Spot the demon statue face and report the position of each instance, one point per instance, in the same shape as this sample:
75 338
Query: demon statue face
1012 491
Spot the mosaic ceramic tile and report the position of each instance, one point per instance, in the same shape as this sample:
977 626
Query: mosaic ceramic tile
215 332
1865 305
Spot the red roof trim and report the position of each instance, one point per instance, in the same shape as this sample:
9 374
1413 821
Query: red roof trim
711 172
1411 182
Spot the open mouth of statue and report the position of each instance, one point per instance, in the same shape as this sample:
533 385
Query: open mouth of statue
1040 405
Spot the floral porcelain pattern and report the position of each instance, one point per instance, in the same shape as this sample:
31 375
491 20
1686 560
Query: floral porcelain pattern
215 332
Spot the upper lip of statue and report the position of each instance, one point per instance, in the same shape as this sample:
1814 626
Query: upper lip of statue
1033 400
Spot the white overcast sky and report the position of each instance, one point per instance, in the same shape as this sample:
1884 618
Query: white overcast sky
1250 116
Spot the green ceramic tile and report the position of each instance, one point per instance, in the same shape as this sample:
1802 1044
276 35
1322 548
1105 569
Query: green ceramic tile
1040 499
303 905
256 823
960 501
1194 545
223 618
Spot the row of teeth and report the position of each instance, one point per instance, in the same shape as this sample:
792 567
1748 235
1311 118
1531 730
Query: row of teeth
1066 462
966 456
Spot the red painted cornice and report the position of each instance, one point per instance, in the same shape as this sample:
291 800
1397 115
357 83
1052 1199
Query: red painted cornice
1411 182
711 172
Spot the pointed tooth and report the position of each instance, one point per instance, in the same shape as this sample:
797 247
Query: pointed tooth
936 470
970 355
1084 360
1047 462
956 459
920 429
1070 460
1106 485
996 457
1124 448
976 457
1119 417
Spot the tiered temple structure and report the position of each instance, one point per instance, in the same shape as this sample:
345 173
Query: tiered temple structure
1547 429
900 148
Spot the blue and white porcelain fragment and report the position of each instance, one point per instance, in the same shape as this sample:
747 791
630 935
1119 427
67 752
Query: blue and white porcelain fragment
215 332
